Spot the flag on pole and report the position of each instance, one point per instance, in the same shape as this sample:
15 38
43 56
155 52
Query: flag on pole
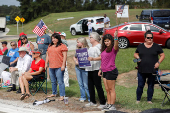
120 10
40 28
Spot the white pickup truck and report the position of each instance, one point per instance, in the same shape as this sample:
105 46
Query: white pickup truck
2 23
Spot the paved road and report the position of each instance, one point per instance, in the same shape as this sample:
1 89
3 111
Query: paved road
9 106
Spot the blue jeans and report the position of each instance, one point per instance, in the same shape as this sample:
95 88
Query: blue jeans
82 78
90 31
141 83
56 75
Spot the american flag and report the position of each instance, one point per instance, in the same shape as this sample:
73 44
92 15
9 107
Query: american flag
120 10
40 28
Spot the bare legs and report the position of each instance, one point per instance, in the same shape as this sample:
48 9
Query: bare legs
23 81
110 89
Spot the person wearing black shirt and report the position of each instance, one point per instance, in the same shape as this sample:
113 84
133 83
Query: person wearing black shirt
148 64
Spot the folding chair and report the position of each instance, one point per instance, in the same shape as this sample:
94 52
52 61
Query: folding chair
37 83
163 81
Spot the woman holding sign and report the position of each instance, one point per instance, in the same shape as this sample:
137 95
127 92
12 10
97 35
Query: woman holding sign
82 75
108 55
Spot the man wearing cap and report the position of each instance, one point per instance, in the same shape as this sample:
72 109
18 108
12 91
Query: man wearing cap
43 43
5 49
66 75
23 65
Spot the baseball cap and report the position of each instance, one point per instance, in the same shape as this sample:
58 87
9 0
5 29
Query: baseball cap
22 34
4 42
63 34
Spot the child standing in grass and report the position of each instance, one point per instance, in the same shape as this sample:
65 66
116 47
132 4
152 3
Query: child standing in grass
82 75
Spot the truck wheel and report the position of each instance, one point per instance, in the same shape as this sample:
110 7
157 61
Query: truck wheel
123 42
168 44
4 30
73 31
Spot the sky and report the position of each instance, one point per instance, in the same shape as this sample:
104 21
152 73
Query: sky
9 2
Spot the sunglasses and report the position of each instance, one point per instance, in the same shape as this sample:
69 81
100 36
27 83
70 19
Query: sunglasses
34 53
149 37
22 38
12 45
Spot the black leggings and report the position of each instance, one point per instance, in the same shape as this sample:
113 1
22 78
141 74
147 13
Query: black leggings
95 81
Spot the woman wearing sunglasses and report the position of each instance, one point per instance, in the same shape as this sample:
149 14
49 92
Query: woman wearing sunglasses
27 44
148 63
36 70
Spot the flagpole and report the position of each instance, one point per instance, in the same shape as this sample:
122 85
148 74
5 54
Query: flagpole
45 24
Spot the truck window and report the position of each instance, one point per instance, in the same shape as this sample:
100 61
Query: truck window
161 13
80 22
100 20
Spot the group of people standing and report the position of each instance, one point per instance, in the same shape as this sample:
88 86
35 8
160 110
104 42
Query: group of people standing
102 59
28 63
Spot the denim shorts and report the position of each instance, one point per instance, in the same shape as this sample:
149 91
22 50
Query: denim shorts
111 75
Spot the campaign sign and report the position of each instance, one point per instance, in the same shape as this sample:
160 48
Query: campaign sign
82 56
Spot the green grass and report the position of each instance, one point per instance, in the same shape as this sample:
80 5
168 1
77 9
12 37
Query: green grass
64 25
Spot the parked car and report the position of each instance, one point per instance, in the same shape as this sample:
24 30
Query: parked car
144 16
81 25
132 34
161 18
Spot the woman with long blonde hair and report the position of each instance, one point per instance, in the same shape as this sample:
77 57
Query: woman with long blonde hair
82 75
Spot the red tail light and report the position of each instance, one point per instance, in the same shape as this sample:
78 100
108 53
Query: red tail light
152 20
97 23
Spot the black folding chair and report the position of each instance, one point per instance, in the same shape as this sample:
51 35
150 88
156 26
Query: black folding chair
165 86
37 83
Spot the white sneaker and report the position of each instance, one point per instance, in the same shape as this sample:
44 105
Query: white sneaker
91 104
106 108
101 106
112 107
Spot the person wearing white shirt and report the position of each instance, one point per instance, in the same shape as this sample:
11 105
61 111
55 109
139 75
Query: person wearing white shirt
94 81
106 21
89 27
23 65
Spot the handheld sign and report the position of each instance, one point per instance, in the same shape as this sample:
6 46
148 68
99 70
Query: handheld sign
82 56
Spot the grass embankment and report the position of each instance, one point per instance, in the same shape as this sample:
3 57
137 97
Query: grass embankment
64 25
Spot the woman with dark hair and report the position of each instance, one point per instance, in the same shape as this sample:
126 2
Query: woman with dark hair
56 56
148 63
108 55
27 44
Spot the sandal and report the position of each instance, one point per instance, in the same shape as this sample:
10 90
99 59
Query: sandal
27 96
22 96
61 98
52 95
